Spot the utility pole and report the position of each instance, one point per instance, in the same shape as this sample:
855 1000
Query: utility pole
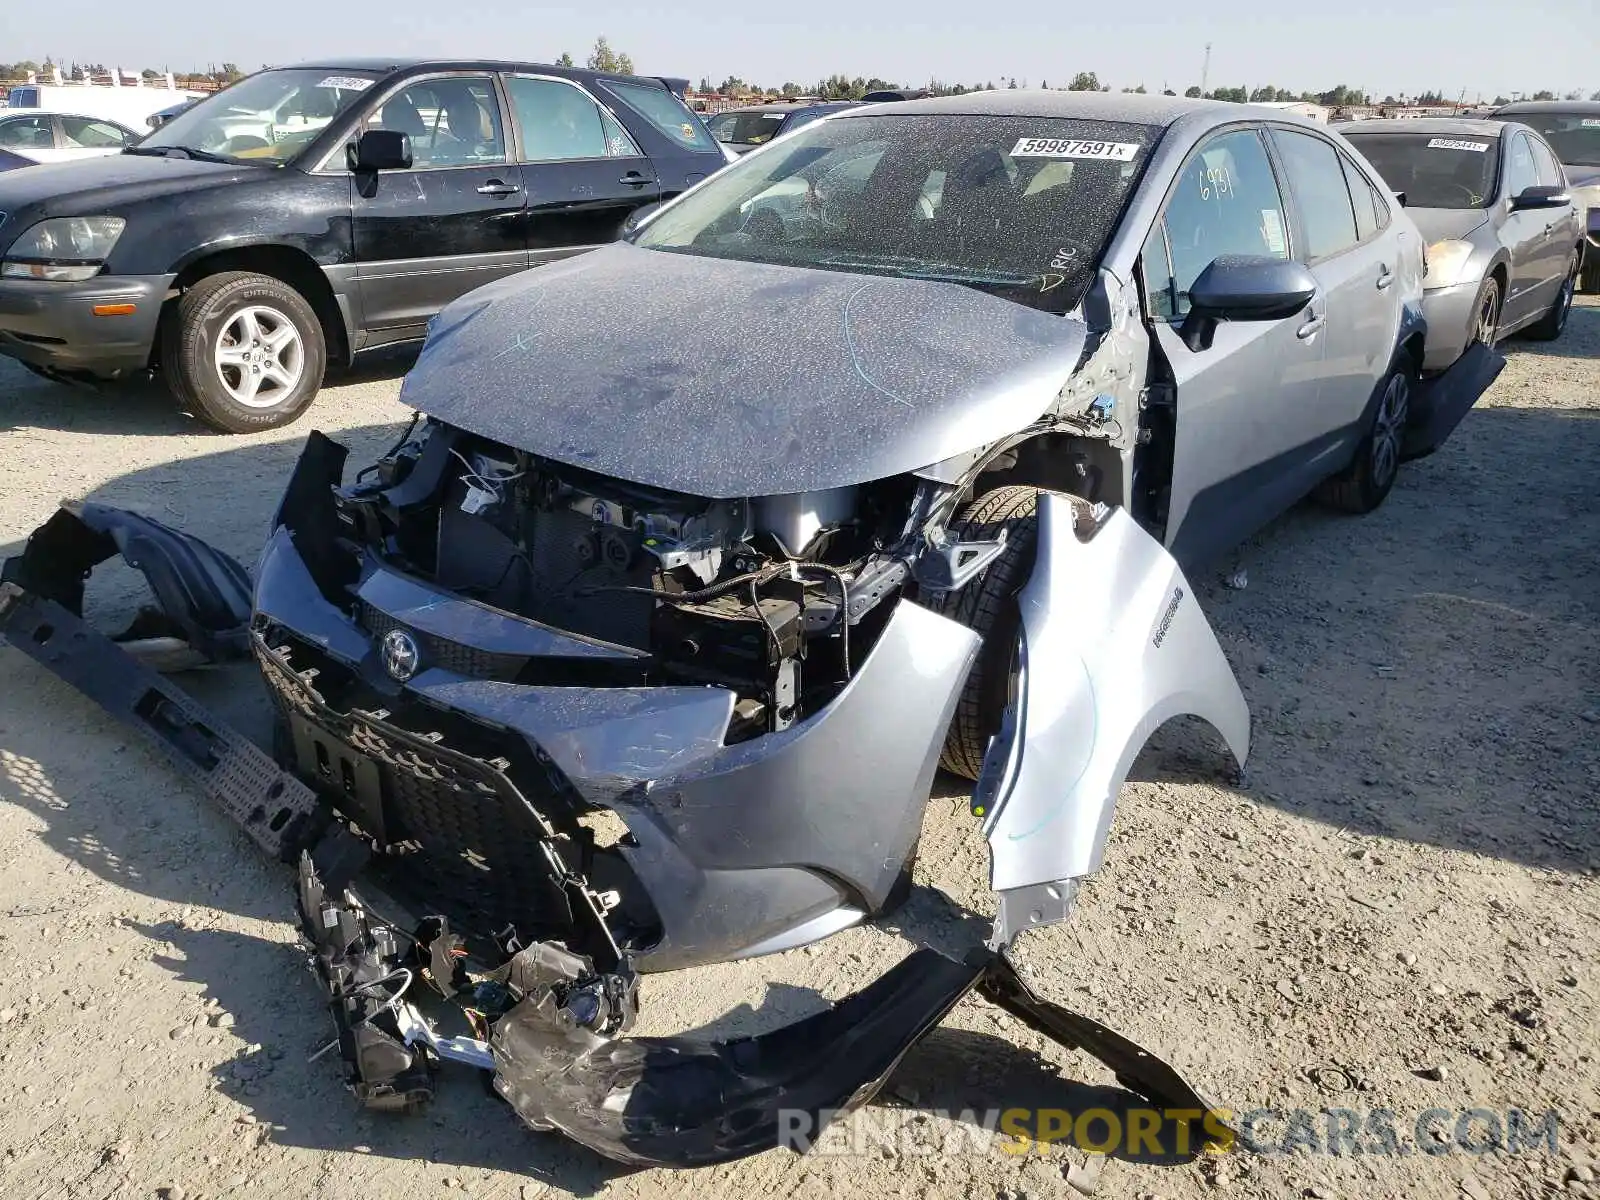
1205 69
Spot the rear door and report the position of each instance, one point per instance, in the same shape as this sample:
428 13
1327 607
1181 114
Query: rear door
1562 227
1356 270
1241 404
451 223
583 171
1524 234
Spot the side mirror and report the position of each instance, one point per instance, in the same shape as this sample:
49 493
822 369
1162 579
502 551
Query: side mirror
1244 287
638 217
1540 195
379 150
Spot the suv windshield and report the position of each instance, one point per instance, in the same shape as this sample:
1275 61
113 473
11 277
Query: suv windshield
746 128
1433 171
269 117
1575 137
1019 206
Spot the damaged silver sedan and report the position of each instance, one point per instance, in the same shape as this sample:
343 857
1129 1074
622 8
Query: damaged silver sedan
876 452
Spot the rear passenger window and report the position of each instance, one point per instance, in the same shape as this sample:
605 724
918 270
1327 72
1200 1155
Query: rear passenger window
1320 193
1225 201
665 112
561 122
1363 199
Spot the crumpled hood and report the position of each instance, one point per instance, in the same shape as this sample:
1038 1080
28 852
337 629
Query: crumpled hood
726 379
1447 224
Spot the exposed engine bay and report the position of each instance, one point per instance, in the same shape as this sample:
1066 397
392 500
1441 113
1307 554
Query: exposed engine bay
770 597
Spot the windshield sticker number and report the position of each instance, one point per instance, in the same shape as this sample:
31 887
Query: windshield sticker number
1074 148
1272 232
1457 144
348 83
1590 123
1215 183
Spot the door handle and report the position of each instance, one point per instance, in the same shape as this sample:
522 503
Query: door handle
634 179
496 187
1549 229
1385 278
1310 328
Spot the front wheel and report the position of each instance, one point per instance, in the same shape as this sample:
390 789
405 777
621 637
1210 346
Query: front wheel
1367 481
245 352
1548 328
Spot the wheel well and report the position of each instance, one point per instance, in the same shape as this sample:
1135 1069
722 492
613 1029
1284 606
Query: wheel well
1412 348
294 267
1082 466
1498 274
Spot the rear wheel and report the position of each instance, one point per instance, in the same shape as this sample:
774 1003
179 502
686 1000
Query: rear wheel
244 352
988 606
1365 483
1548 328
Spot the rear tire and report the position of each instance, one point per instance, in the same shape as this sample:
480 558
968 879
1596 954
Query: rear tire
1548 327
1367 481
244 352
988 606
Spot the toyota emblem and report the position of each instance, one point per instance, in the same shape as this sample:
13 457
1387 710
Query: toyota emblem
400 655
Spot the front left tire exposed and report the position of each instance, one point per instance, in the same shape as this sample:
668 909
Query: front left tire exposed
988 606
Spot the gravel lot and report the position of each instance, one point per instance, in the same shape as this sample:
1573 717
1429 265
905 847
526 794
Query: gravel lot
1397 910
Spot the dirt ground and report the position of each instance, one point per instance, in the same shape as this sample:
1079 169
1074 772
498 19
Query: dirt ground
1397 910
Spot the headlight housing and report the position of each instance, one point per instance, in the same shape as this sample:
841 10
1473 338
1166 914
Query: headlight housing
64 249
1446 261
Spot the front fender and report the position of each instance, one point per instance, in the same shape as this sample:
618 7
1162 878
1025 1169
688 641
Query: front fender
1112 645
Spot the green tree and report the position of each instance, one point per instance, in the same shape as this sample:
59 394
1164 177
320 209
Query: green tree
624 65
1084 81
565 60
1193 93
792 89
705 84
602 57
1544 95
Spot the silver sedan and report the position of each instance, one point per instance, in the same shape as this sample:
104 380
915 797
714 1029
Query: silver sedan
1504 237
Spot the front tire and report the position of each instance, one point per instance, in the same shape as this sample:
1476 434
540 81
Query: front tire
1548 328
1367 481
1486 315
244 352
988 606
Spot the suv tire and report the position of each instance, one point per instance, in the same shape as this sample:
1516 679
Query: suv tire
244 352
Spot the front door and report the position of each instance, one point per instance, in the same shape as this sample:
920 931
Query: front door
583 171
1241 402
451 223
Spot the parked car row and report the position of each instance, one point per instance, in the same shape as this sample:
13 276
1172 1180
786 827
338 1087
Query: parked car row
307 214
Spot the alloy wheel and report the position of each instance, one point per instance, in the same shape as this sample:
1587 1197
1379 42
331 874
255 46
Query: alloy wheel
259 356
1389 429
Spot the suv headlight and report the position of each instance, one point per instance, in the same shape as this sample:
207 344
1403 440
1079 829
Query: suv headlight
1446 261
64 249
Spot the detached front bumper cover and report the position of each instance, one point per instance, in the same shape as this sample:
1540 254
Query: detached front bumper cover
548 1023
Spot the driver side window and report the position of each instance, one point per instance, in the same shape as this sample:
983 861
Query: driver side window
1225 201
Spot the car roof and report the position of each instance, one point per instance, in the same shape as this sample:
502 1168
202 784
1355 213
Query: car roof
1585 107
1429 125
783 106
9 114
409 65
1126 107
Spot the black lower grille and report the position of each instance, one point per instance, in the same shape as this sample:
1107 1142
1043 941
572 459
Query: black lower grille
458 837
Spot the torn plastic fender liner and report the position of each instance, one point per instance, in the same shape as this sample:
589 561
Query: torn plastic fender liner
204 595
1113 645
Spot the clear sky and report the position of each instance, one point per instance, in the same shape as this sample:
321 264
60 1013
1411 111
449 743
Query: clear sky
1382 46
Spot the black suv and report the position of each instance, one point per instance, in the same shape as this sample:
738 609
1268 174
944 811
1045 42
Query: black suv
309 213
